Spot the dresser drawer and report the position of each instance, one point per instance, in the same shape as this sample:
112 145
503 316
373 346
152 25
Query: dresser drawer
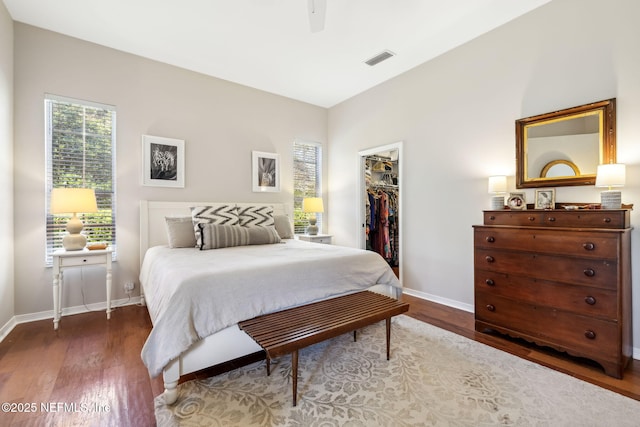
80 260
596 302
560 218
592 244
581 271
580 335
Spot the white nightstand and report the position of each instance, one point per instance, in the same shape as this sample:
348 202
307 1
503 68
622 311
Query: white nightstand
63 259
316 238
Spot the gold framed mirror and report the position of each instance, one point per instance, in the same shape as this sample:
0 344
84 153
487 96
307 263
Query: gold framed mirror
565 147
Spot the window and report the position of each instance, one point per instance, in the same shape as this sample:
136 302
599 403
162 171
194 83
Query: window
307 179
80 141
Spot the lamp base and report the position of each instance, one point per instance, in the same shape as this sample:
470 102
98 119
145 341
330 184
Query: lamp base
497 203
312 229
611 199
73 240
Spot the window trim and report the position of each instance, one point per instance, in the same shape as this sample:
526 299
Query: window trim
49 99
297 205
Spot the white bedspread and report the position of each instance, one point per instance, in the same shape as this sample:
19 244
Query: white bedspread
192 294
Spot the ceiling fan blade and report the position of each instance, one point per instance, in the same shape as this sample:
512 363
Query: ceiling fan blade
317 11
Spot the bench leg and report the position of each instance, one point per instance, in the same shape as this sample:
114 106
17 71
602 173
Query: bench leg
294 373
355 336
268 365
388 336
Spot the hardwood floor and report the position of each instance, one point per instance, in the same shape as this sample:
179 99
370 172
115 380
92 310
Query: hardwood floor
89 372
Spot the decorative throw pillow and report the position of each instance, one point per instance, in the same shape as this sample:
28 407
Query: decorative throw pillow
180 232
216 236
251 216
283 226
223 214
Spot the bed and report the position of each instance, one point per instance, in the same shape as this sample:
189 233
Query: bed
196 297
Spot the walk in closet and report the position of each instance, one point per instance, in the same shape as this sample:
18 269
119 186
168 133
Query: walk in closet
381 224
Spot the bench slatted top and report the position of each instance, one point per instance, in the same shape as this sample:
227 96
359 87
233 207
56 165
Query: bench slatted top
282 332
287 331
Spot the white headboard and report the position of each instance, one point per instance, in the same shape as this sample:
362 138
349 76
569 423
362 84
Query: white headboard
153 231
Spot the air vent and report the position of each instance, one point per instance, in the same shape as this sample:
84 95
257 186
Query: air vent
379 58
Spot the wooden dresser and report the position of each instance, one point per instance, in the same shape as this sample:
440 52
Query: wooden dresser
557 278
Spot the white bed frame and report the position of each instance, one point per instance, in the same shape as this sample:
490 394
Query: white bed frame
228 344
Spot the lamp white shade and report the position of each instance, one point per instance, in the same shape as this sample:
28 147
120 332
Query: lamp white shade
497 184
611 175
312 205
73 201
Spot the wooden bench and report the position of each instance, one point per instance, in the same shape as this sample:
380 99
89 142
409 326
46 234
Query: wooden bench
290 330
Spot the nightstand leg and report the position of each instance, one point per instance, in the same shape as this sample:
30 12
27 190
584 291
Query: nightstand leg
109 288
56 300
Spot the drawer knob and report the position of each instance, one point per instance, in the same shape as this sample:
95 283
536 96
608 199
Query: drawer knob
532 218
491 307
490 282
489 258
490 239
589 246
607 220
589 272
84 260
590 334
492 217
590 300
551 219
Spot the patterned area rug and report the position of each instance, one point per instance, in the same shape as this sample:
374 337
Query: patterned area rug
434 378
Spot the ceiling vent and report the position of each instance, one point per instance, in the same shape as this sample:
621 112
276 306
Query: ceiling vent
379 58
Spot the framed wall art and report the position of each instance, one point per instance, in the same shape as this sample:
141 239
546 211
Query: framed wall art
162 161
265 172
546 199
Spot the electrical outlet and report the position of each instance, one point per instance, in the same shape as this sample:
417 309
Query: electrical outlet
128 287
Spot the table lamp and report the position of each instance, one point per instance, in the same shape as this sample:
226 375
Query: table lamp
73 201
312 205
610 175
498 187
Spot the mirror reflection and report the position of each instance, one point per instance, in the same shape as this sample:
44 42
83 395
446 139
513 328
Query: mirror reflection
565 147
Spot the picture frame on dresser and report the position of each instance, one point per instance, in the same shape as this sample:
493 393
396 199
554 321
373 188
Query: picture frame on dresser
517 201
545 199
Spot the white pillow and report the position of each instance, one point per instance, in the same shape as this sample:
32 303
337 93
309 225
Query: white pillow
283 226
180 232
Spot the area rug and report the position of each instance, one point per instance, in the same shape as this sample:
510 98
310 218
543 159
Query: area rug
434 378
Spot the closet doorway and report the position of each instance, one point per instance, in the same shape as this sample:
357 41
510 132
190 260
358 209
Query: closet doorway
380 203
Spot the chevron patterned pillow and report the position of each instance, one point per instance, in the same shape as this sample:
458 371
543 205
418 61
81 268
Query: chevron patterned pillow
223 214
252 216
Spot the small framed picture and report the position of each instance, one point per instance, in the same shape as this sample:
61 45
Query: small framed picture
545 199
266 172
162 161
517 201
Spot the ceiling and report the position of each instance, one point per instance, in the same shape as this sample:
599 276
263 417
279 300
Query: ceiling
268 44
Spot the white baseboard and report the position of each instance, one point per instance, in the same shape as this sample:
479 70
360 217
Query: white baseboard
444 301
469 308
48 314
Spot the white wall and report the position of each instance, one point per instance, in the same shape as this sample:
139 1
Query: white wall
6 168
221 123
456 115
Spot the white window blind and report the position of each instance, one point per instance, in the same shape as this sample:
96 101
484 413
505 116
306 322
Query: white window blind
307 180
80 141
